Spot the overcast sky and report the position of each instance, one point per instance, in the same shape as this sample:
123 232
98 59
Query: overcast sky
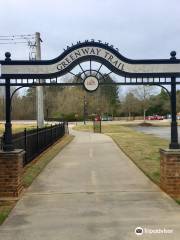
139 28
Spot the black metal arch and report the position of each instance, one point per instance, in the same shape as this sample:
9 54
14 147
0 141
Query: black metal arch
89 51
135 72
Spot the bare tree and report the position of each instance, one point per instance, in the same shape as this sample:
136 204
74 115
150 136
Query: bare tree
130 103
143 93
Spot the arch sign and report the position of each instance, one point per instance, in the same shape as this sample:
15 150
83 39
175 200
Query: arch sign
90 50
30 73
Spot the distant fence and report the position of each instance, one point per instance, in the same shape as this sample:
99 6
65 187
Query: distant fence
37 140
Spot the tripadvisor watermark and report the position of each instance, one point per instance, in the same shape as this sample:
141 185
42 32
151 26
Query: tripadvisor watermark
140 231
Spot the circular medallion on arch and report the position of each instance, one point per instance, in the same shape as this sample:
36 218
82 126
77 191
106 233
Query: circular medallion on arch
91 83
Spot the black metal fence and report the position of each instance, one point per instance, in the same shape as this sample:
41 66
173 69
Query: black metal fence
37 140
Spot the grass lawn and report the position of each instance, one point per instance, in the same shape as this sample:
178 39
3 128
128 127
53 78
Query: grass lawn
85 128
142 148
153 123
17 127
5 209
32 170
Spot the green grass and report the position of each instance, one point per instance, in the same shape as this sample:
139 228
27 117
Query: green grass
156 123
32 170
178 201
84 128
17 127
5 209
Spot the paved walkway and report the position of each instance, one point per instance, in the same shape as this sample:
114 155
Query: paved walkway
91 191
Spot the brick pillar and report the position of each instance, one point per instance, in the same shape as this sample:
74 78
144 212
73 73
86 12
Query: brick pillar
170 171
11 166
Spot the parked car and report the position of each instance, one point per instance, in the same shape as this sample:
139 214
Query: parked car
106 118
149 117
159 117
154 117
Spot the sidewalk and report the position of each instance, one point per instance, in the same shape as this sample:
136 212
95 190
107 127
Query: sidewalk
91 191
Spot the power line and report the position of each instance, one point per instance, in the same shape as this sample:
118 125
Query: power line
3 43
29 39
14 36
16 39
12 39
5 39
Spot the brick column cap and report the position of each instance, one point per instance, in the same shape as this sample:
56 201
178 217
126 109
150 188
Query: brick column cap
168 151
15 151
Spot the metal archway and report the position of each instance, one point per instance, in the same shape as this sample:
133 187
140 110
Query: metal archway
133 72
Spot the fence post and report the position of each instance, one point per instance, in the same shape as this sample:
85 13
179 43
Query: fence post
60 130
45 137
56 131
25 144
37 138
66 130
65 125
51 135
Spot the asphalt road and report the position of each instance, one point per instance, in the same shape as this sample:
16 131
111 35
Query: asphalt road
92 191
162 132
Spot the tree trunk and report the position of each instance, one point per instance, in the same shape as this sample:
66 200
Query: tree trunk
129 116
144 115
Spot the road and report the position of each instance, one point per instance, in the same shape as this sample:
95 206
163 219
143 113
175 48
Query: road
91 191
162 132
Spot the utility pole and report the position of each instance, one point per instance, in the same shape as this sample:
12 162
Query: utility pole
39 89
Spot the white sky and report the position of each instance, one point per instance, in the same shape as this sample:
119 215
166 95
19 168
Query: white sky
139 28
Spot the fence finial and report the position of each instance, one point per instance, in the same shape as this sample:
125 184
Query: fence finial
8 56
173 55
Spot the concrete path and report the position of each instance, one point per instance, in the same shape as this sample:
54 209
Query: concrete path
92 191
